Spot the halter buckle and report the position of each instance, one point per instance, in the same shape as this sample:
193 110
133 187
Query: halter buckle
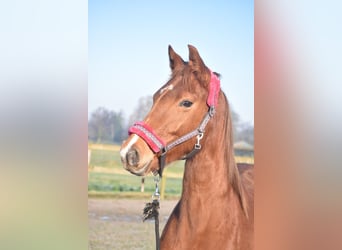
211 111
163 151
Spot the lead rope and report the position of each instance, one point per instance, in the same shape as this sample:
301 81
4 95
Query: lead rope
151 210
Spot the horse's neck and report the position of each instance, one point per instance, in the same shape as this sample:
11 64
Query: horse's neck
204 174
207 194
207 173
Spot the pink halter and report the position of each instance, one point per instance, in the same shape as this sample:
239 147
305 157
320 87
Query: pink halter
146 132
214 90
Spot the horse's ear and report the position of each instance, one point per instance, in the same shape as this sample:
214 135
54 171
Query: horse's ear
196 62
175 60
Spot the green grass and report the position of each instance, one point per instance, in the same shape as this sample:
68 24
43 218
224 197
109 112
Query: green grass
108 182
105 158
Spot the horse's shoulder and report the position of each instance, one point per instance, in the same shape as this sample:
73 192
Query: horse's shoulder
245 169
247 176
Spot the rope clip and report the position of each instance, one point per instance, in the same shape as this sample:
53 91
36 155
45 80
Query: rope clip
156 195
199 137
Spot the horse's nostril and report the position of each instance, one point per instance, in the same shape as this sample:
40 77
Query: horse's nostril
132 157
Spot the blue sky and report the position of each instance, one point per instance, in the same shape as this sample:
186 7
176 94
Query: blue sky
128 43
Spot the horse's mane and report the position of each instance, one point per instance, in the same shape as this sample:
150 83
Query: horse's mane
235 178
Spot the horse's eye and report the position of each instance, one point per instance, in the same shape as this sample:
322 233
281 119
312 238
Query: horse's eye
185 103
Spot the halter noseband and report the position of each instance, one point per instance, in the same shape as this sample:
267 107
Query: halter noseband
159 146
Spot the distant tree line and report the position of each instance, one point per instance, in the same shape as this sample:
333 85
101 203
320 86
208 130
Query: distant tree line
106 126
242 131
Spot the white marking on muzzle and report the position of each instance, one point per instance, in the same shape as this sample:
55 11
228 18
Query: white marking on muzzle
124 151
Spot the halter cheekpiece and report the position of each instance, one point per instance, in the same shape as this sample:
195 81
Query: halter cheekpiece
158 146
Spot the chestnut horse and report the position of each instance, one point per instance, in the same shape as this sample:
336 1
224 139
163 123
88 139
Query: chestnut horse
190 119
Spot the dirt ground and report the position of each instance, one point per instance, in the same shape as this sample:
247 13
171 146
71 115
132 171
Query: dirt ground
117 224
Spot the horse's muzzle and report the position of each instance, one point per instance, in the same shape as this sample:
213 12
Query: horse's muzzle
136 156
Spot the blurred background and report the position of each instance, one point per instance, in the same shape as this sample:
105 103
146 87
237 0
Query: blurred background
128 63
45 68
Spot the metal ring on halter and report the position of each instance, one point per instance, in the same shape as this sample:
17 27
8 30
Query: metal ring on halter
163 151
211 111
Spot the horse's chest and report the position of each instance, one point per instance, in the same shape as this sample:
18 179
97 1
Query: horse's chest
190 235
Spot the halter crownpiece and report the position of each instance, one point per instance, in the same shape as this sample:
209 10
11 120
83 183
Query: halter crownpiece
157 145
214 89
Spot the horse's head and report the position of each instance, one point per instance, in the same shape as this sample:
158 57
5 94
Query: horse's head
179 107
